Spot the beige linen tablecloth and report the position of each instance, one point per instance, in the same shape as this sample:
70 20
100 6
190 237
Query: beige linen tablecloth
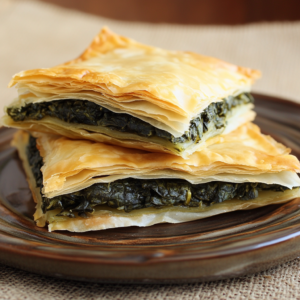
34 35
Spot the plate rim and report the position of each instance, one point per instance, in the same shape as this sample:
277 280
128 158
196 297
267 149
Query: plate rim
292 239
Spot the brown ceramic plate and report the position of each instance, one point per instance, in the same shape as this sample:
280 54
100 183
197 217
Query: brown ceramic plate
223 246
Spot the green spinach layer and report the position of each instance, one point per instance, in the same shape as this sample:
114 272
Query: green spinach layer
130 194
86 112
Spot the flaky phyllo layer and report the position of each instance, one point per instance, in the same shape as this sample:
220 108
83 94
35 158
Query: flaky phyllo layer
125 93
113 186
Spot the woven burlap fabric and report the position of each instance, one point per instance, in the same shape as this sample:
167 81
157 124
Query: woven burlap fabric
279 283
34 35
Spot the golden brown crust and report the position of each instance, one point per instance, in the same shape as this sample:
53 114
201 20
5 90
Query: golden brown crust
71 165
70 162
165 88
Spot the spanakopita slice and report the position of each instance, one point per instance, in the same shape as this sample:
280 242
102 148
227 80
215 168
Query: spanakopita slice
80 185
125 93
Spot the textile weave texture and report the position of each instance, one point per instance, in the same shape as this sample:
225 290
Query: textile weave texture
278 283
35 35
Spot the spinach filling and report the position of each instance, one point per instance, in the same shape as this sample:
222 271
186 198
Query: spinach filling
86 112
130 194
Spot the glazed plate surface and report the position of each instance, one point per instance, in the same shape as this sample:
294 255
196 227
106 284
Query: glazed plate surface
219 247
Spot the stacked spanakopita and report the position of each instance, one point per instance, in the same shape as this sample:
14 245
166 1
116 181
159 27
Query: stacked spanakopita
81 185
128 94
90 124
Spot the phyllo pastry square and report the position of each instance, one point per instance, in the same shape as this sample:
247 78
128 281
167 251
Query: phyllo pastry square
81 185
128 94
